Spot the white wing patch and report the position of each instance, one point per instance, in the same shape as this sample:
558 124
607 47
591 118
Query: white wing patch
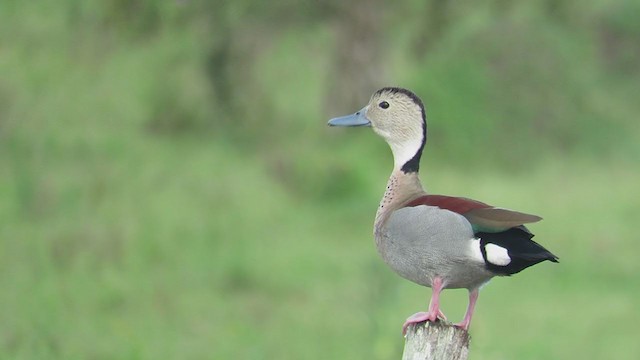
497 255
474 247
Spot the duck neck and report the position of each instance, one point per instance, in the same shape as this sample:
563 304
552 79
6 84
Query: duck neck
401 188
407 154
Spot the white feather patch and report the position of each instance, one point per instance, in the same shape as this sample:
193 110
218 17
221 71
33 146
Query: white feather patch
497 255
474 247
404 151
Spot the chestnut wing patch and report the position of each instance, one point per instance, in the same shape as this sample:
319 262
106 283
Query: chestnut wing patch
458 205
483 217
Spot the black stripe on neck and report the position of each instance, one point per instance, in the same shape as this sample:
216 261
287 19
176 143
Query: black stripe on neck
413 165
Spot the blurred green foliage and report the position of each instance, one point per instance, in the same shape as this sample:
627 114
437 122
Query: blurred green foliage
170 189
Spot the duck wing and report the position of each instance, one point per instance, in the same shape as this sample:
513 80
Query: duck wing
483 217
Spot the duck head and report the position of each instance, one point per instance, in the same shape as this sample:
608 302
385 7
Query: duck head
398 116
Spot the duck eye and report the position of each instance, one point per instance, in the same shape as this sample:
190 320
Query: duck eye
384 105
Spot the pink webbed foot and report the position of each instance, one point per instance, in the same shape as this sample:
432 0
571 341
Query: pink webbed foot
420 317
434 307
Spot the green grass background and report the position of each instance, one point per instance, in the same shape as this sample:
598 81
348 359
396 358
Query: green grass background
144 217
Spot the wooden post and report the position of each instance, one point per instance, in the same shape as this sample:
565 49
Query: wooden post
435 341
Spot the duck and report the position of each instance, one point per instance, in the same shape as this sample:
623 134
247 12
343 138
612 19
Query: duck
438 241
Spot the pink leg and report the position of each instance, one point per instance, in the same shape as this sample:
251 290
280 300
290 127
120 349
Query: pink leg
434 307
473 296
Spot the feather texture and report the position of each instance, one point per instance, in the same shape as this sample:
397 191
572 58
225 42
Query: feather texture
522 251
498 219
458 205
483 217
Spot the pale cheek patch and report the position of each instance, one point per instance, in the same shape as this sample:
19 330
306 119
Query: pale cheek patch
497 255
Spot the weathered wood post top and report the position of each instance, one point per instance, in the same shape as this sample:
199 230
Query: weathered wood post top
435 341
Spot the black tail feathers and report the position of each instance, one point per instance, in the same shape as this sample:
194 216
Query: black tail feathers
522 251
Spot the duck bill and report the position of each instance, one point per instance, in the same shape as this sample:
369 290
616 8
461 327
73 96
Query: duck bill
357 119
